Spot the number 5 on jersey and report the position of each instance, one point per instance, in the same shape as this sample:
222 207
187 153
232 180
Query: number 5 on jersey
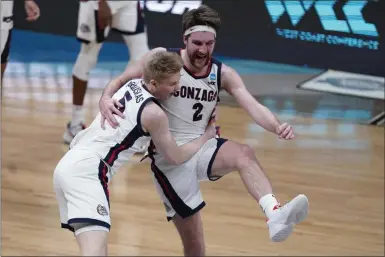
127 97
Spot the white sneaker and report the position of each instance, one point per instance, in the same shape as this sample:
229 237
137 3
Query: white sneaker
283 219
72 131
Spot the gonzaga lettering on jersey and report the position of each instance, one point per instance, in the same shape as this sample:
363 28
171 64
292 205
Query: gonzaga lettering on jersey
197 93
190 109
116 146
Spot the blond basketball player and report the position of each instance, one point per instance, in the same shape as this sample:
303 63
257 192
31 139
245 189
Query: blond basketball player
189 110
33 13
95 20
82 175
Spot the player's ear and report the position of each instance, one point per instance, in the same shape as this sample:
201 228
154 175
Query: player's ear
185 39
153 83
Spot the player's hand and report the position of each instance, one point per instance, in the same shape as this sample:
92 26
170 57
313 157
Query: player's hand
214 119
211 130
32 10
108 107
285 131
104 14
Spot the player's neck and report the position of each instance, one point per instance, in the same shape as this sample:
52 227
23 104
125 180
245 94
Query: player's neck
190 67
150 88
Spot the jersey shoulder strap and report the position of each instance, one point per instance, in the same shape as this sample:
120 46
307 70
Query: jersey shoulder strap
219 71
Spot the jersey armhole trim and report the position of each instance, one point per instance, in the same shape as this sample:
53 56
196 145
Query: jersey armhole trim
138 118
219 73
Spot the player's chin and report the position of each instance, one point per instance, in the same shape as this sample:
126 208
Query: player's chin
200 65
201 62
166 97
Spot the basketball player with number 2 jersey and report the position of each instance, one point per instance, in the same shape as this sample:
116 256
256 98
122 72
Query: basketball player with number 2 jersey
188 111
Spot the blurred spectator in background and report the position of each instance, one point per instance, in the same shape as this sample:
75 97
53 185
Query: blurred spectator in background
95 20
33 13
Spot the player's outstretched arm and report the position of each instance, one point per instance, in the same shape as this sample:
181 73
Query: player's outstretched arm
107 105
155 121
233 84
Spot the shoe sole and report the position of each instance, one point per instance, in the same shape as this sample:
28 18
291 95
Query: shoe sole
295 217
303 207
283 234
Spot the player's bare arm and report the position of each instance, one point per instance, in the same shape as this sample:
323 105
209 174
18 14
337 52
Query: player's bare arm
233 84
155 121
108 106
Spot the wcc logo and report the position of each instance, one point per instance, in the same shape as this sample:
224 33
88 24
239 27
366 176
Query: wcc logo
354 23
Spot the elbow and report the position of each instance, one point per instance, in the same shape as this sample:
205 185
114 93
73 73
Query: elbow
175 162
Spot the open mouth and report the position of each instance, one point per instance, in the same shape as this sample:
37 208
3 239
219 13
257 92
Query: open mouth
201 57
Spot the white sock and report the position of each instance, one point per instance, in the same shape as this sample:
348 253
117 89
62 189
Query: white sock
267 203
77 115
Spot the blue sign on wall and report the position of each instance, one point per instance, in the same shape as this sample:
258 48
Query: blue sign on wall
353 30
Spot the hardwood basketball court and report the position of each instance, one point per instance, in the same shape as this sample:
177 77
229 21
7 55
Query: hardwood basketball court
339 166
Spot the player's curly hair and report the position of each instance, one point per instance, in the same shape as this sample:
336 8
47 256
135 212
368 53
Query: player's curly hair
203 15
161 65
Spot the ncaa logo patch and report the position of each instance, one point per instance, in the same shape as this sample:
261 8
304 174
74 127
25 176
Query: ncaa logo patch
213 76
102 210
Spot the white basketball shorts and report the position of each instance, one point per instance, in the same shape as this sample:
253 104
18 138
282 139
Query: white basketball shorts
81 187
178 185
127 19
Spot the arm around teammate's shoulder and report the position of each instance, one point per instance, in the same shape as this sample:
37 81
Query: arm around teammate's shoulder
154 120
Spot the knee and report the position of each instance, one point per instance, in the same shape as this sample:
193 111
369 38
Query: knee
86 60
246 156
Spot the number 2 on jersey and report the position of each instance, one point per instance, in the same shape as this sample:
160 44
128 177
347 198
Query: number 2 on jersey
197 115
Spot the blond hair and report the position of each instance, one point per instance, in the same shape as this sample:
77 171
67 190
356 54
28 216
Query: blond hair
161 65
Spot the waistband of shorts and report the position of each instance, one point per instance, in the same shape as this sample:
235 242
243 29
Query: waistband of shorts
111 171
82 148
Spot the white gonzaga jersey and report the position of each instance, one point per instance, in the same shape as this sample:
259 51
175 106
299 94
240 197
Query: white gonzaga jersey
189 110
116 146
6 14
